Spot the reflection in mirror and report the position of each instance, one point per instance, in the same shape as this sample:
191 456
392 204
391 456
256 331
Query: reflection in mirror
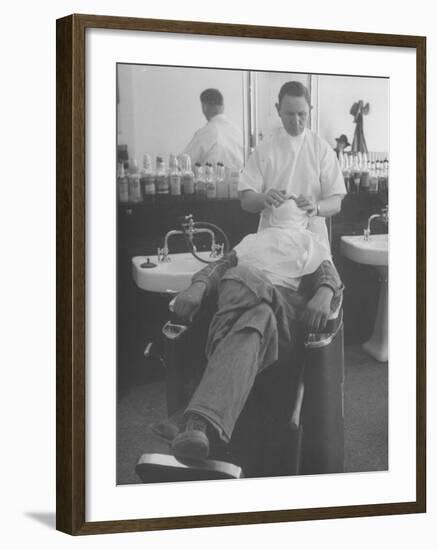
160 113
336 96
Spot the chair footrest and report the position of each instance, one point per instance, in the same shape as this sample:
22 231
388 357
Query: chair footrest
162 468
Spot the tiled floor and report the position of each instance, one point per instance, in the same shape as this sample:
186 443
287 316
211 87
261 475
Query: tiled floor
366 418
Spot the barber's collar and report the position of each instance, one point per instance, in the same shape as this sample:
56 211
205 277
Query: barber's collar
294 142
218 116
293 139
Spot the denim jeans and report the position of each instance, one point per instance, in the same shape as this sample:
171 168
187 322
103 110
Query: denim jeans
255 324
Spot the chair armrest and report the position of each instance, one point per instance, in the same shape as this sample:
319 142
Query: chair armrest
175 328
173 331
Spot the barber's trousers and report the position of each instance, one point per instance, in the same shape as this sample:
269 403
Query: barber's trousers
255 324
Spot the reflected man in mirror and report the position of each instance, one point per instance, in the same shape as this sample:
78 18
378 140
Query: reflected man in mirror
219 140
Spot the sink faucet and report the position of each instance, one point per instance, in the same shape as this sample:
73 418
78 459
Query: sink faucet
164 251
382 216
189 230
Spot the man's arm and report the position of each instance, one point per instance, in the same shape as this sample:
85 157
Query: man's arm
211 274
325 288
203 284
326 207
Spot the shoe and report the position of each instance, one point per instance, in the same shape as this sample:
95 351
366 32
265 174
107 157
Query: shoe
192 443
168 429
164 430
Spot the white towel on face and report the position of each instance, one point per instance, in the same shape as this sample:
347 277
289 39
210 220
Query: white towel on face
286 250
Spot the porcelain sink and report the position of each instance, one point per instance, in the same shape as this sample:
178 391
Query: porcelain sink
172 276
371 252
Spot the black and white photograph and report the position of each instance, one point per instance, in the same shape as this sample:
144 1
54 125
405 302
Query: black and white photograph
217 317
252 273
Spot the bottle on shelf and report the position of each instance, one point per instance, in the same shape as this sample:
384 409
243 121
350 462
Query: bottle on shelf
199 182
210 183
386 172
344 165
373 179
134 182
161 180
123 156
133 166
383 176
355 175
233 184
187 178
221 183
147 180
377 162
122 184
174 177
364 177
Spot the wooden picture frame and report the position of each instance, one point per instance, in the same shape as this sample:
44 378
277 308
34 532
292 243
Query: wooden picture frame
71 272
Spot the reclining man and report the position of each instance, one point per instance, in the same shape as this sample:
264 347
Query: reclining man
293 180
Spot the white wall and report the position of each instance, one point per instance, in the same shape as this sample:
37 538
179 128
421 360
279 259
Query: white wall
336 96
160 107
126 115
27 406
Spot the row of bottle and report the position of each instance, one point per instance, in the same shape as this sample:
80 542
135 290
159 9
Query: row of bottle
176 182
364 173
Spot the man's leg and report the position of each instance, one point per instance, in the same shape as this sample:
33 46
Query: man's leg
243 340
232 368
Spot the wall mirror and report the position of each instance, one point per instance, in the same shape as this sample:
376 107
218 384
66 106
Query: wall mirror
159 116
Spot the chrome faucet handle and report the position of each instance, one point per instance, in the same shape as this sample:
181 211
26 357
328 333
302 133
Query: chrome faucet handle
187 223
366 234
188 219
163 255
384 213
216 250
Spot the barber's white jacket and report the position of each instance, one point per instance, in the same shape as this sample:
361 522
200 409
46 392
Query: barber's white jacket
218 141
303 165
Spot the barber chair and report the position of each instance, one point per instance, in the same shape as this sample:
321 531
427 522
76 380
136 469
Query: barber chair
292 423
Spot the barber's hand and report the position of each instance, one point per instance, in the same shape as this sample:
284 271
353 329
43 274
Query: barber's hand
317 311
307 204
274 197
187 302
